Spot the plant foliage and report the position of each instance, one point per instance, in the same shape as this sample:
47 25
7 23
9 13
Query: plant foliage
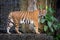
49 21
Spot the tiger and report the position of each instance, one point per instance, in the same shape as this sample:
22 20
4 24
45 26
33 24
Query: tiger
16 16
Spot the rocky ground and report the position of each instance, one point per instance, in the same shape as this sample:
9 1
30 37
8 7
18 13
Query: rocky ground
25 37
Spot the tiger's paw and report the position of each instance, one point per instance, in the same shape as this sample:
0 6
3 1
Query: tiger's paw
19 33
9 33
37 32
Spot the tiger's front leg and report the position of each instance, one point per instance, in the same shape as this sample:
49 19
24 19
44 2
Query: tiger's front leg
17 26
36 26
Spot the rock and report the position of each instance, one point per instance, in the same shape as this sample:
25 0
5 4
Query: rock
25 37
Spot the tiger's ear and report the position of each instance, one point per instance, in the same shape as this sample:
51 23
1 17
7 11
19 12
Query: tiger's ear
36 11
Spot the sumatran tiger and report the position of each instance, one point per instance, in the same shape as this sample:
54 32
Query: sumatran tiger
17 16
14 18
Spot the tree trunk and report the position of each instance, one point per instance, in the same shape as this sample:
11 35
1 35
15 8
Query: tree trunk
29 6
23 5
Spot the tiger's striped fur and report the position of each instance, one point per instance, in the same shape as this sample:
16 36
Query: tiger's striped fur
17 16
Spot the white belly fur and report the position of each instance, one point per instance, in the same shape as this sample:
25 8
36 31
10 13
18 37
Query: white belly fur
25 21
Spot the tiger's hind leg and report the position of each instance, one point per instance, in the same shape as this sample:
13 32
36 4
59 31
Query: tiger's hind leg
9 27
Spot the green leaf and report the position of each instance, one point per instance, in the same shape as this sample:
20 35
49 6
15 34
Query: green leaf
45 28
55 26
51 10
51 29
49 23
50 26
48 17
42 20
54 19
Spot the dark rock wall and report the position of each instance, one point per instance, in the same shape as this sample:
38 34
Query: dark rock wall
58 10
6 6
